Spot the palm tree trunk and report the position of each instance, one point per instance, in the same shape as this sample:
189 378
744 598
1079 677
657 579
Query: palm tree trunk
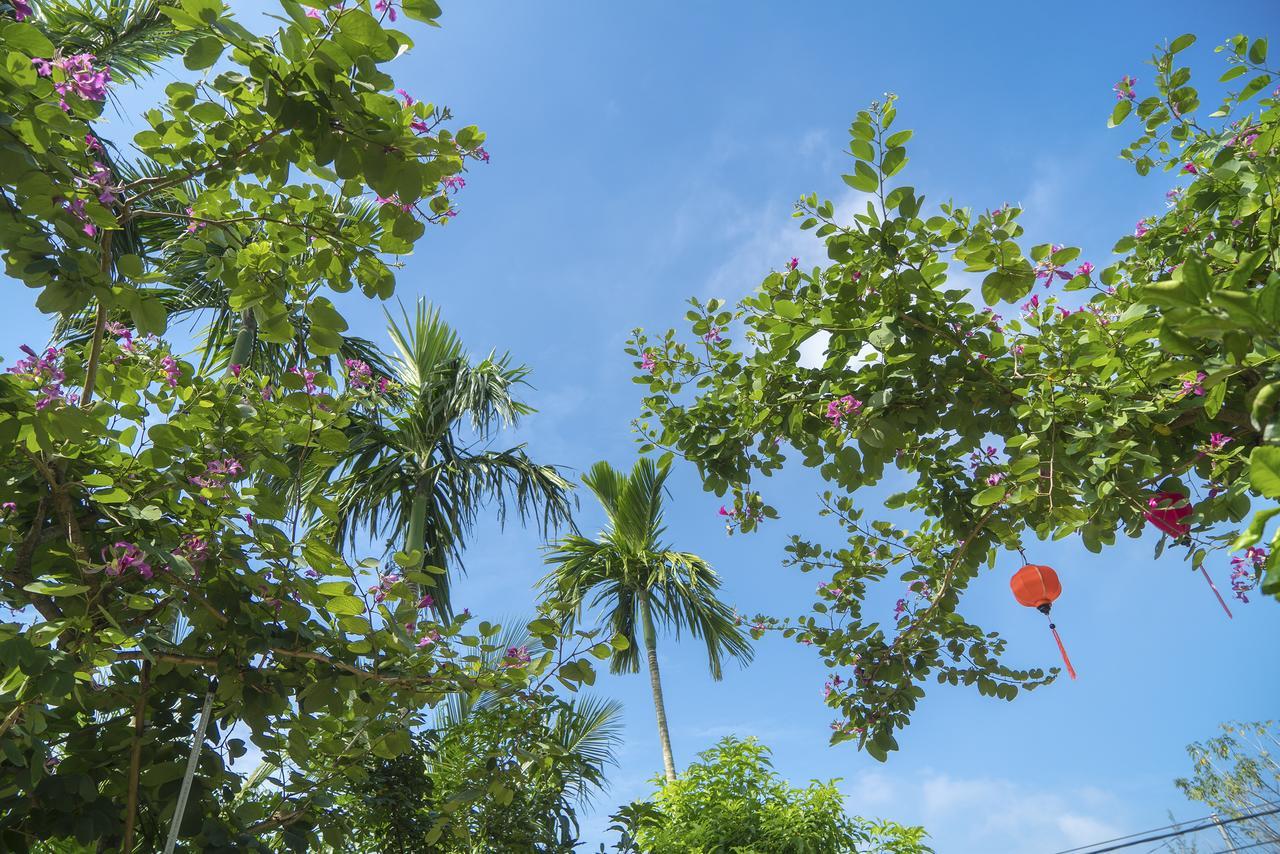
417 533
655 682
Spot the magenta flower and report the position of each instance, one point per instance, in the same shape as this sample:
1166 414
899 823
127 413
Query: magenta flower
1032 305
726 512
1245 571
383 385
1218 441
171 371
122 557
426 601
409 100
647 362
844 407
267 391
994 478
7 507
427 639
482 154
712 336
235 370
75 207
314 13
1194 387
518 655
21 10
81 78
308 378
359 374
1085 269
1141 228
1190 168
1124 89
388 7
194 224
419 125
44 68
793 263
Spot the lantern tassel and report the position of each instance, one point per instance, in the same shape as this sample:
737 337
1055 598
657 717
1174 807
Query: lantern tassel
1214 588
1062 649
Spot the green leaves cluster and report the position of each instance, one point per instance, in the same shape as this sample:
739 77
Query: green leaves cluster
1011 427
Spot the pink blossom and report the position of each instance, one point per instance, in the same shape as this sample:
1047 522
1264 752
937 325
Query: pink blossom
359 374
383 385
44 68
647 362
793 263
314 13
1245 571
1031 305
482 154
1141 228
518 655
994 478
1124 89
1196 387
1085 269
712 335
844 407
194 224
426 601
1218 441
454 183
171 371
122 557
76 208
308 378
386 6
235 370
21 10
1190 168
427 639
7 507
409 100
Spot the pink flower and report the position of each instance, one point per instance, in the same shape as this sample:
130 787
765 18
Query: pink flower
1245 571
1032 305
838 410
1141 228
426 601
122 557
235 370
1085 269
314 13
1218 441
44 68
75 207
1194 387
1124 89
518 655
712 335
793 263
359 374
427 639
409 100
383 385
1190 168
308 378
7 508
194 224
419 125
171 371
454 183
647 362
21 10
994 478
725 512
386 6
482 154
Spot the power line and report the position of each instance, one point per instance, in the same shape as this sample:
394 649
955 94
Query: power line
1247 847
1214 823
1208 817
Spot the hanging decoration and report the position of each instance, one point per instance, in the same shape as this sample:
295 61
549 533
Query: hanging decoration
1037 587
1167 510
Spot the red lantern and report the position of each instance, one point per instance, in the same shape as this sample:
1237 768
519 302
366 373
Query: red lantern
1168 509
1037 587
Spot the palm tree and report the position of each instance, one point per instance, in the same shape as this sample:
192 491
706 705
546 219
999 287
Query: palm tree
640 580
421 474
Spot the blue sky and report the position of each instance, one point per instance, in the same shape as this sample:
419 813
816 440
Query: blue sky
645 153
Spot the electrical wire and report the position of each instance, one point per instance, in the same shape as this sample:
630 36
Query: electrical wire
1212 822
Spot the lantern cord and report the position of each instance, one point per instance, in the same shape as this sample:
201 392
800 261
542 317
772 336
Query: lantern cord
1214 588
1062 649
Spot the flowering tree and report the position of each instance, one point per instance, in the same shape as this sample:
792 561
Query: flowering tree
1106 400
155 572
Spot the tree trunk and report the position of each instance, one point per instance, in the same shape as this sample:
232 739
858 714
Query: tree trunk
655 682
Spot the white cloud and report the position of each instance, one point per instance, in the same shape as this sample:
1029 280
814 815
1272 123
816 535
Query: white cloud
982 814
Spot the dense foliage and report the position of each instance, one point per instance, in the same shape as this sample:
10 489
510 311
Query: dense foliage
1103 390
1237 776
167 535
733 800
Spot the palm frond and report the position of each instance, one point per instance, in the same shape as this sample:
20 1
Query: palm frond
131 36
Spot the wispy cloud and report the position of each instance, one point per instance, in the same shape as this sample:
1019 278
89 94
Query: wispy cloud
982 814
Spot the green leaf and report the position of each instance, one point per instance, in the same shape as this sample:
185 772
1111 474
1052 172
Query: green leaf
349 605
1182 42
63 589
1264 471
990 495
1119 112
1258 51
425 11
1257 527
203 52
865 180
